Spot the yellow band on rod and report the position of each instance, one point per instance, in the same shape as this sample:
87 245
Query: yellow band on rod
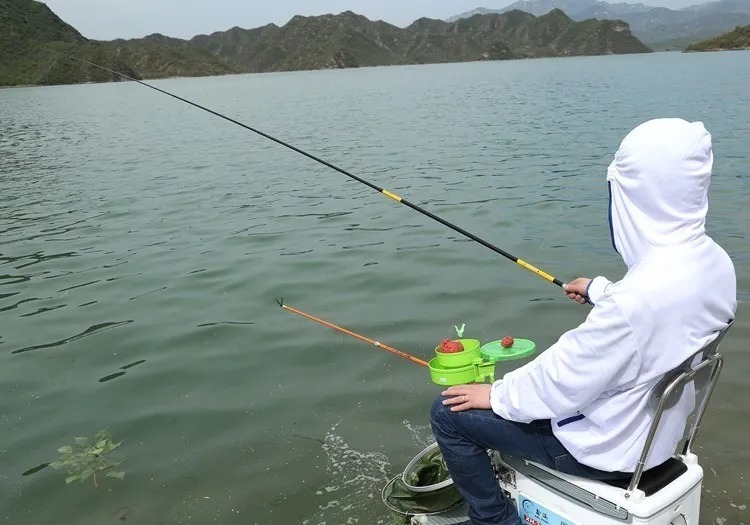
391 195
536 270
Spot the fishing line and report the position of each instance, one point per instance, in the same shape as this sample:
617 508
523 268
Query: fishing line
385 192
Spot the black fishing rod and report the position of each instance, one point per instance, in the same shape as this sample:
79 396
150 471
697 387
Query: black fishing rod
385 192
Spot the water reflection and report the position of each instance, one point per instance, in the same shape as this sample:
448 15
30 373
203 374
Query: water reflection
218 323
89 331
35 469
110 377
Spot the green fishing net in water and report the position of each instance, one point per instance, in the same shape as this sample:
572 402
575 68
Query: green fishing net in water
429 470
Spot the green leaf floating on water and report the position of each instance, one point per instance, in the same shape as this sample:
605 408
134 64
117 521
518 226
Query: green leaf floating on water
83 461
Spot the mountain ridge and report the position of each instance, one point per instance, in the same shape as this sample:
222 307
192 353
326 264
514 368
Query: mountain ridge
736 40
33 37
655 26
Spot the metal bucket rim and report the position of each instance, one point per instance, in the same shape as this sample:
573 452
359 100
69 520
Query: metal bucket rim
408 514
428 488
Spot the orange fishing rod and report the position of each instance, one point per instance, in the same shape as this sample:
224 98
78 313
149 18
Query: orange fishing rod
353 334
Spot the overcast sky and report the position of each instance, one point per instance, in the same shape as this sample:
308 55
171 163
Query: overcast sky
110 19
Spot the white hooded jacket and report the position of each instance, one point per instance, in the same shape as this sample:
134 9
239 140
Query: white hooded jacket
679 291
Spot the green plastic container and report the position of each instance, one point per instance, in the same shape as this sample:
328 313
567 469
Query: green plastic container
459 359
476 372
494 351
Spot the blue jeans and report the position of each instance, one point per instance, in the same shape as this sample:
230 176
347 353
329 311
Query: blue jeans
464 439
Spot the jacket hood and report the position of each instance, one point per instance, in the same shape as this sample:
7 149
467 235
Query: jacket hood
658 184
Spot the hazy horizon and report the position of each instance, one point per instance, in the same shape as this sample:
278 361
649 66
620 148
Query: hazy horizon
110 19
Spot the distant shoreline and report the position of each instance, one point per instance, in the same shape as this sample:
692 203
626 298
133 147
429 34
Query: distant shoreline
717 50
675 51
519 59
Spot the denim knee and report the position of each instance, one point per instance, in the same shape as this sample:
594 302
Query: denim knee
439 413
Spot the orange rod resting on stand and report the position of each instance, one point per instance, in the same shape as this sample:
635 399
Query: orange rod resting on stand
355 335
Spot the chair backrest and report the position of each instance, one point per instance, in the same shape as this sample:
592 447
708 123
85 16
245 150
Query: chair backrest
669 390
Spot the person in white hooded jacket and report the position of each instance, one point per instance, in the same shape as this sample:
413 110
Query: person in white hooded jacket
582 406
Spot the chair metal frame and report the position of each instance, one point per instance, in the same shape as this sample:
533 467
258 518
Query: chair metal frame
675 381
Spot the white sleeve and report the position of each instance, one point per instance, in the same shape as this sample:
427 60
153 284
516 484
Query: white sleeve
598 355
596 288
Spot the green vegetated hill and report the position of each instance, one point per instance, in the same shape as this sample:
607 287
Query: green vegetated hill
32 38
734 40
157 56
351 40
657 27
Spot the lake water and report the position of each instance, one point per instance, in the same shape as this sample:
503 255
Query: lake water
144 243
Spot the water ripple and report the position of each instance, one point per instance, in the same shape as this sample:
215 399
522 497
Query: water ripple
92 330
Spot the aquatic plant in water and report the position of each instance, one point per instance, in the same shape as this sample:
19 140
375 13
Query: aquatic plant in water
85 458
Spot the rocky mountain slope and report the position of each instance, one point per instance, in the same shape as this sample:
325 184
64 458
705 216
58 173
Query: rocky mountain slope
734 40
655 26
34 41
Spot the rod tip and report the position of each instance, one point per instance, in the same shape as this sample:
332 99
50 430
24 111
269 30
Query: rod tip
280 301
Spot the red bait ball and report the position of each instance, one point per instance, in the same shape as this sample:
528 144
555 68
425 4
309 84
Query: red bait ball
451 347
